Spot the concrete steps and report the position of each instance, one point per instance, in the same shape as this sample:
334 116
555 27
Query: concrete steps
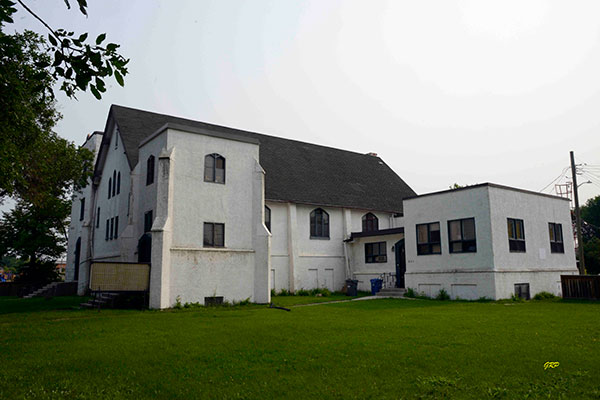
391 292
103 300
42 291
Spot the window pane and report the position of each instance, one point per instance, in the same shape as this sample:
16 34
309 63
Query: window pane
468 229
423 249
220 162
511 228
209 168
421 233
208 234
436 248
434 236
519 226
454 227
219 235
551 232
368 249
434 226
559 237
457 247
220 175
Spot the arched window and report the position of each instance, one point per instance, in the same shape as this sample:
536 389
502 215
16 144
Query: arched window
214 168
370 223
150 170
114 188
109 187
319 224
119 182
268 218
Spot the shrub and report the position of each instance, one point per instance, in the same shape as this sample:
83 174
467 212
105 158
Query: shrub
516 298
273 292
303 292
284 292
410 292
442 295
178 304
544 296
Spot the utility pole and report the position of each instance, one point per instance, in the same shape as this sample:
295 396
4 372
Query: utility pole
577 217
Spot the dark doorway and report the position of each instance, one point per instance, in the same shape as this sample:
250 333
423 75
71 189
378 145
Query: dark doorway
400 263
77 259
145 248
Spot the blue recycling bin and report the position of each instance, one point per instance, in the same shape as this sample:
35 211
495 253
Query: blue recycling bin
376 285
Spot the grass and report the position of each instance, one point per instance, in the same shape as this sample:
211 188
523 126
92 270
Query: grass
365 349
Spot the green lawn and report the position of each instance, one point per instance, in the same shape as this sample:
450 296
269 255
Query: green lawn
361 349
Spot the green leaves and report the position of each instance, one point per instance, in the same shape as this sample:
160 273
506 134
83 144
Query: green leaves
119 78
100 38
74 60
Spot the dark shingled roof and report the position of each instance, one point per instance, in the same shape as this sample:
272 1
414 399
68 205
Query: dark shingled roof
295 171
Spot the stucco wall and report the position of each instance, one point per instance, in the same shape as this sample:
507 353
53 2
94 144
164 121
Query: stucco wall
472 203
194 271
116 161
363 271
537 266
490 206
76 226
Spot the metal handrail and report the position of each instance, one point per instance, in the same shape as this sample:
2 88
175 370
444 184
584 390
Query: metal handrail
389 279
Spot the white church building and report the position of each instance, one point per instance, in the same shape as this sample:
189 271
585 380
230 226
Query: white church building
218 211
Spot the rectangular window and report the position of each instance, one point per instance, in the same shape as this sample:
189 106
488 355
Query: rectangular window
107 229
98 218
556 238
375 252
112 228
214 234
461 236
148 221
522 290
429 239
116 227
516 235
81 209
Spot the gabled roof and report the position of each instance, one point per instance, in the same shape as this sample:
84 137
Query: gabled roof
295 171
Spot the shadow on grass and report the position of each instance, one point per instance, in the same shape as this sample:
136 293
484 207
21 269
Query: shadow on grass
13 305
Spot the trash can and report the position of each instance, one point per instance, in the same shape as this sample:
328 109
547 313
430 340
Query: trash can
351 287
376 285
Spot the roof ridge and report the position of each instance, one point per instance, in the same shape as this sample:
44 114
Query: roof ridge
237 130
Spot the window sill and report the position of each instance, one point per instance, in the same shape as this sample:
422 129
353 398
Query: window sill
319 238
430 254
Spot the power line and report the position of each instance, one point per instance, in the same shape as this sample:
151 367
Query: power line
555 179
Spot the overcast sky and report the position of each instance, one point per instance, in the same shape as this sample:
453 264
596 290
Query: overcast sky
444 91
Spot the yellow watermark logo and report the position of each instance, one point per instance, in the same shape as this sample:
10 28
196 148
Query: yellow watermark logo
551 364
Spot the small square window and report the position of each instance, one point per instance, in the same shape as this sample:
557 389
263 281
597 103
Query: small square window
214 234
429 239
375 252
461 235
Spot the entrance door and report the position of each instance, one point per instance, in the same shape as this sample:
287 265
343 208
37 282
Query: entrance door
400 263
77 259
145 248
